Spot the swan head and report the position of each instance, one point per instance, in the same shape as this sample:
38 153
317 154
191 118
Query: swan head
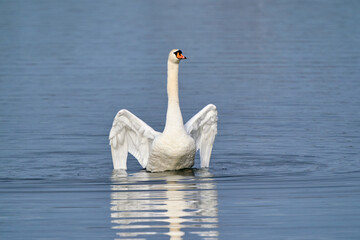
176 55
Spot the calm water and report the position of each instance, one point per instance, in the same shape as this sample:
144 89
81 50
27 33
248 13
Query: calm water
284 75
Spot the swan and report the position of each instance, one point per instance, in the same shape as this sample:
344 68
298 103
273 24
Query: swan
175 147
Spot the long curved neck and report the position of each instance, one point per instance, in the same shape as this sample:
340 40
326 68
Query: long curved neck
174 120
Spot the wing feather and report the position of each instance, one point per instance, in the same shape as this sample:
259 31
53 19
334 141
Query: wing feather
130 134
203 128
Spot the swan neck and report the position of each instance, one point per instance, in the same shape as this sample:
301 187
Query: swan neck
173 81
174 120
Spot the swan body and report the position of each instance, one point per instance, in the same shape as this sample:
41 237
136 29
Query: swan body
175 147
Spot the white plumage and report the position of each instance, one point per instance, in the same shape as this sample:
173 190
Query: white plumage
173 149
130 134
203 128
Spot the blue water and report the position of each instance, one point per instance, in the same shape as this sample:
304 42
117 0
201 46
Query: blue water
284 76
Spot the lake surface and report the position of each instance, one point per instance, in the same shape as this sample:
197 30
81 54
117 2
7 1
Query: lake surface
284 75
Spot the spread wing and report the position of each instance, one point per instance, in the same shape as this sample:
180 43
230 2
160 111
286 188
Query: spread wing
203 128
130 134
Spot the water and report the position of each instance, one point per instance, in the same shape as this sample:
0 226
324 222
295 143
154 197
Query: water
283 74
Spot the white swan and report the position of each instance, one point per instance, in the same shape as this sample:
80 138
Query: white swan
173 149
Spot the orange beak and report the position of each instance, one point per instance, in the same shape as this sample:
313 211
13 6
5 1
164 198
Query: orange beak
180 56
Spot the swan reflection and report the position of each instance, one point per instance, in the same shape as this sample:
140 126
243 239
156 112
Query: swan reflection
181 204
